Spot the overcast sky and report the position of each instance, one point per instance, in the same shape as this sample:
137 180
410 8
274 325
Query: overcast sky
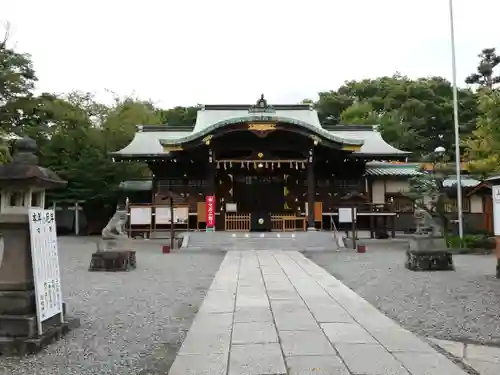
185 52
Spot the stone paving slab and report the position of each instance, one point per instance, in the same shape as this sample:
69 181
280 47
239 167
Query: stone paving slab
483 359
275 312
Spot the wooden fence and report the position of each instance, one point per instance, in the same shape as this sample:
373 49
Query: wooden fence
238 222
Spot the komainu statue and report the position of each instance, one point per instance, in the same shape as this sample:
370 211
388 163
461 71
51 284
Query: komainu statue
114 251
116 226
425 223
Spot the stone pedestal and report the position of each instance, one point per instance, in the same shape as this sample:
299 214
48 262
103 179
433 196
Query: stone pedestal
425 242
113 255
428 253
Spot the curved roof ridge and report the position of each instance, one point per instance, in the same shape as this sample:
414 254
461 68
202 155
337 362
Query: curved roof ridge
267 117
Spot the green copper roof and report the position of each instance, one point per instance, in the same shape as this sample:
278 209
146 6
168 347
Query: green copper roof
392 169
201 132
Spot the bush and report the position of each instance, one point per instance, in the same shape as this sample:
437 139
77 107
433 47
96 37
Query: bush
471 241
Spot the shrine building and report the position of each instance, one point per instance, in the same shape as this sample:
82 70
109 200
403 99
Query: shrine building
266 165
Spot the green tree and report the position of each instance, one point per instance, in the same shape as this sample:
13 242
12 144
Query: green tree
119 124
360 113
482 147
330 106
180 116
80 133
428 192
17 80
421 108
485 76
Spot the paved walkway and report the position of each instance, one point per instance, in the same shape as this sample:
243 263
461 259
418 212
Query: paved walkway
483 359
275 312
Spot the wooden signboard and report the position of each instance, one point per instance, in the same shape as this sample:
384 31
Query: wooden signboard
201 213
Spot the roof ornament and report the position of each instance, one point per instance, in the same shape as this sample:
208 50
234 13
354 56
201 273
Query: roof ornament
261 106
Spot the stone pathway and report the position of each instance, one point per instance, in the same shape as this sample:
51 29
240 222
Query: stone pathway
483 359
275 312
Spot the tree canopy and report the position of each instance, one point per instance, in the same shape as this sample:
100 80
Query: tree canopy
485 75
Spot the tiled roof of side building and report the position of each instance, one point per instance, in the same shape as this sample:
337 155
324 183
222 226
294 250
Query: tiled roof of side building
388 169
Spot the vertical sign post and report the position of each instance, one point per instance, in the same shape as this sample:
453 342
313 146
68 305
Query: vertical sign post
495 190
210 212
348 215
45 259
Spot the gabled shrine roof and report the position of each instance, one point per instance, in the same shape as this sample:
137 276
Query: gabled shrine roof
151 141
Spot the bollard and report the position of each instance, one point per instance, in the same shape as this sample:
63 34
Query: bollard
361 249
165 249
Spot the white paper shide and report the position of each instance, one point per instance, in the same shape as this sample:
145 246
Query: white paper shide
45 260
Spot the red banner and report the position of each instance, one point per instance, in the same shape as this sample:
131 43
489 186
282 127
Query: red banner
210 202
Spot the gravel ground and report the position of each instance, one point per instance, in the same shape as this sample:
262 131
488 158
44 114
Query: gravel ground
461 306
132 323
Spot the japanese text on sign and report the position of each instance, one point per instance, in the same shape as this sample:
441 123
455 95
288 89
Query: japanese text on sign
210 202
45 258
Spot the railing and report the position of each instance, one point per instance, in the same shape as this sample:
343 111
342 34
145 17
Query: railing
238 222
368 207
287 223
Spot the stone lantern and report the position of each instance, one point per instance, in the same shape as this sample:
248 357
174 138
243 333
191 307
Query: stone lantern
22 186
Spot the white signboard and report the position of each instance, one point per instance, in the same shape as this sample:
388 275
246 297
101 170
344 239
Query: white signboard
162 215
45 259
495 191
181 215
345 214
140 215
231 207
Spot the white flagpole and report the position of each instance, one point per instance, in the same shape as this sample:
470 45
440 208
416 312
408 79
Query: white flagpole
455 118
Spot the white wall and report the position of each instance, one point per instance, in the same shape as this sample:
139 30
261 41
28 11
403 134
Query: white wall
476 204
378 192
381 187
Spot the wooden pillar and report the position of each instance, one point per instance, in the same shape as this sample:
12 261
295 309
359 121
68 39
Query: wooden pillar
311 191
372 226
393 231
154 194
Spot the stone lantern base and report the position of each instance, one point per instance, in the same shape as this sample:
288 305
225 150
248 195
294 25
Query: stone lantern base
18 332
18 320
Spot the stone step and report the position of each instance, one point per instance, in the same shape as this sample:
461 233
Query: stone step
262 241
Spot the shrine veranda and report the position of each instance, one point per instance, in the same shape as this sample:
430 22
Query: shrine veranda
265 166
